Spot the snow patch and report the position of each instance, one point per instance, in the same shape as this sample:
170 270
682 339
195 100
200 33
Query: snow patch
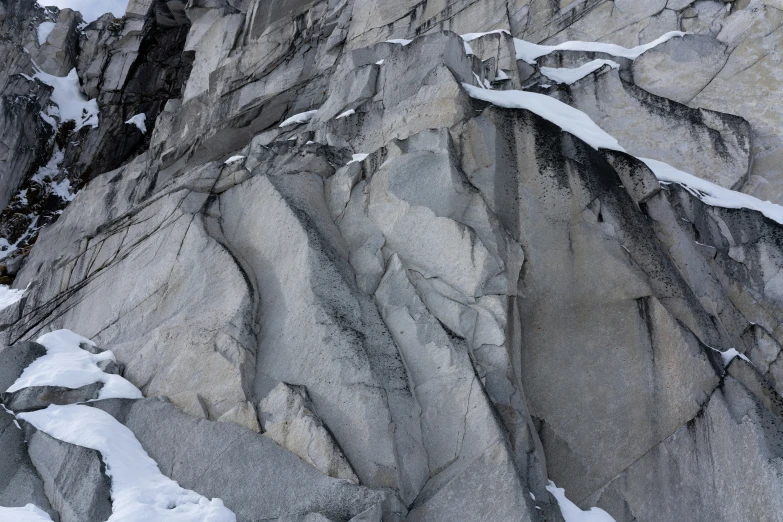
501 75
569 76
572 513
9 296
140 121
302 117
139 491
472 36
345 114
357 158
713 194
529 52
232 159
730 354
379 62
29 513
44 30
399 41
66 364
71 104
468 48
564 116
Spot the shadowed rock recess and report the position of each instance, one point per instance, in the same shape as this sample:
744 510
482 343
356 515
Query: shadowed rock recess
354 280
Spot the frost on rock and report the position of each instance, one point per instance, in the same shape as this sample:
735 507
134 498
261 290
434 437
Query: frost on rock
564 116
139 120
572 513
139 491
71 104
713 194
28 513
44 30
296 119
66 364
569 76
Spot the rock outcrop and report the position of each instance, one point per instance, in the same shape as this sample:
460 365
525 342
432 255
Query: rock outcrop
400 260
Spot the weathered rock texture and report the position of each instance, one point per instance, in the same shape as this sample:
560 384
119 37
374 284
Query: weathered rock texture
409 305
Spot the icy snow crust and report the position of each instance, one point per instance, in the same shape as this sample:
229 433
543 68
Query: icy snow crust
569 76
29 513
67 365
564 116
139 491
72 105
572 513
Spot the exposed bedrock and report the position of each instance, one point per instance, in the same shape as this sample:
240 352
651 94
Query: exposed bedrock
351 292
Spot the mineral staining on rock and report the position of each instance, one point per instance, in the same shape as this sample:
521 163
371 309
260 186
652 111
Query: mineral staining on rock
382 261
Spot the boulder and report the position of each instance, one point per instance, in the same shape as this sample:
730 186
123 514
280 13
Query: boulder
39 397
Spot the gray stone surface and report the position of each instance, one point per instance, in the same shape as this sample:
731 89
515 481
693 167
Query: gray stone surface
286 413
254 477
74 478
708 144
731 69
15 358
20 484
39 397
697 471
429 307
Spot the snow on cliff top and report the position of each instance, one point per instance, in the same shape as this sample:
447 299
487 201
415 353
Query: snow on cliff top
713 194
569 76
564 116
529 51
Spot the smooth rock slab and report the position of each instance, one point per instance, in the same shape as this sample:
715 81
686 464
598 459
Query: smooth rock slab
15 358
39 397
20 483
255 478
73 477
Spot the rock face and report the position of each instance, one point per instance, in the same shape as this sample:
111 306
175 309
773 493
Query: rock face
351 291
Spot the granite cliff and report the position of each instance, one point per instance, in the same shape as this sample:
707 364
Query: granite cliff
360 260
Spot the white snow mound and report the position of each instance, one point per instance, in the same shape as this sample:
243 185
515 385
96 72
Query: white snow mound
139 491
140 121
9 296
72 105
44 30
66 364
572 513
29 513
